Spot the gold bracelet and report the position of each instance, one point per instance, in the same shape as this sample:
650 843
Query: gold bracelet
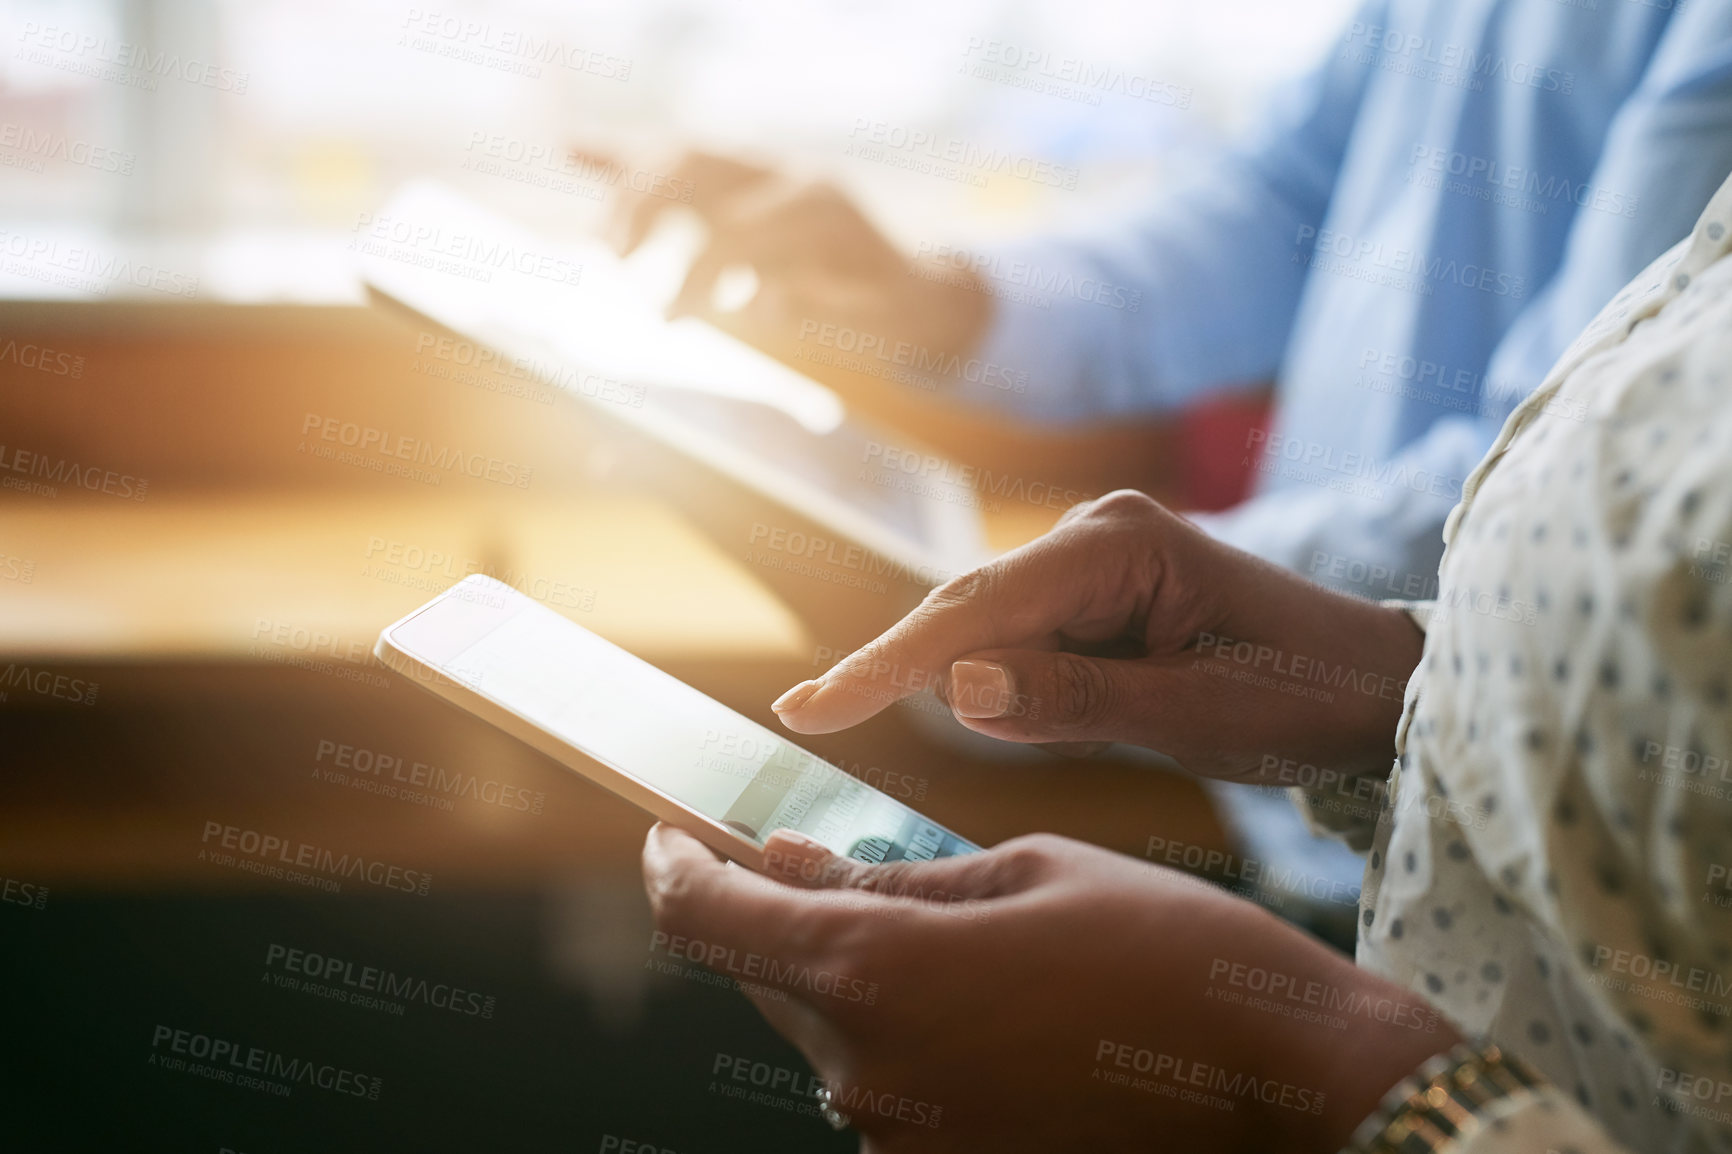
1445 1101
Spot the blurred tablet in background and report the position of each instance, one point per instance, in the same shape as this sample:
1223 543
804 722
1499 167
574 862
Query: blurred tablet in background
575 316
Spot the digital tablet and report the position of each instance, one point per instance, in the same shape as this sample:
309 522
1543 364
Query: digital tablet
643 734
573 316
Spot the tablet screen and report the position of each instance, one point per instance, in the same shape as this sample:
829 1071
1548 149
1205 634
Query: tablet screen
597 330
638 720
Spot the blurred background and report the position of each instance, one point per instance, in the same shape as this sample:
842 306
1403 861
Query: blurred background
189 589
317 110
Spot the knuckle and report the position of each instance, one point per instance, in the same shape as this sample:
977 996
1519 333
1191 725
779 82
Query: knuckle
670 898
692 163
1072 515
891 879
1033 846
1081 694
1125 503
822 194
1025 858
963 589
1120 511
807 204
868 664
847 874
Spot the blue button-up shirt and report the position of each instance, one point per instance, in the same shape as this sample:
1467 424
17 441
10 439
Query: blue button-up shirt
1414 234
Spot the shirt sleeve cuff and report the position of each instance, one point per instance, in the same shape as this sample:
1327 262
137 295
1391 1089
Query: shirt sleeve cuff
1349 814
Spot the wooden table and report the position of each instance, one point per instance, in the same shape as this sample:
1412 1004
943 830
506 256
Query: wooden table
225 619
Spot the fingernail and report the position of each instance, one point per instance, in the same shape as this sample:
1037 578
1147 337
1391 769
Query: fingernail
979 689
795 697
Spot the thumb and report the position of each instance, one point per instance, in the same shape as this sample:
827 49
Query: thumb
801 861
1042 696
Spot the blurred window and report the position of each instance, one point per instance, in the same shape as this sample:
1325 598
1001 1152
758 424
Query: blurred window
184 116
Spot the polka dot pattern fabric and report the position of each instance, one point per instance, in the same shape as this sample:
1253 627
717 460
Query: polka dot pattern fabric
1550 866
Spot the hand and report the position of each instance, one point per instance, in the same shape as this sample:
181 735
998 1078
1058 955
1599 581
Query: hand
1036 997
817 258
1128 623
